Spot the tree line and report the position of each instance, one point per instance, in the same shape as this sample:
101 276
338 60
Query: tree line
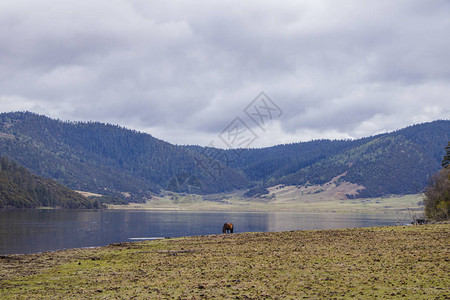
437 194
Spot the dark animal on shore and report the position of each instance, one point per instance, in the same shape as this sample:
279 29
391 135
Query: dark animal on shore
419 222
227 228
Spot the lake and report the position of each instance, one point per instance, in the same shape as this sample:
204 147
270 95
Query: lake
31 231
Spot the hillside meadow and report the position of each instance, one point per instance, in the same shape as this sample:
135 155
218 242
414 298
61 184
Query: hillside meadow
400 205
404 262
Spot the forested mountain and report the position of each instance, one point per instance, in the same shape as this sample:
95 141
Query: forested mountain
21 189
385 165
267 164
105 159
399 162
112 160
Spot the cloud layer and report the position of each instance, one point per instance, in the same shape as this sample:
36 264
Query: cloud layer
183 70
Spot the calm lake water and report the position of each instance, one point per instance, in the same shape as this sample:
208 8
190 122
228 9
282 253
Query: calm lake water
31 231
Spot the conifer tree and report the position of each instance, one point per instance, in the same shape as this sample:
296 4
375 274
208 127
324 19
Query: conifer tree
446 160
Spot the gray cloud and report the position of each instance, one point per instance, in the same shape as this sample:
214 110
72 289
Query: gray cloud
183 70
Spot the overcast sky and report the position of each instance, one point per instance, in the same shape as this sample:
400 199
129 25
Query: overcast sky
183 71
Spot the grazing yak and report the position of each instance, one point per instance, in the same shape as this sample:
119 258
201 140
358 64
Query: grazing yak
227 228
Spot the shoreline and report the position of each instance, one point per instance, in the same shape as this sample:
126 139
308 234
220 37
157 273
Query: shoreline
393 204
138 240
405 261
143 239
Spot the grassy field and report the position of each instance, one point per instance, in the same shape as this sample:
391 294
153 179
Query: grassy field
328 197
302 203
410 262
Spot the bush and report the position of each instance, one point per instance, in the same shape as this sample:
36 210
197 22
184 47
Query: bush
256 191
437 196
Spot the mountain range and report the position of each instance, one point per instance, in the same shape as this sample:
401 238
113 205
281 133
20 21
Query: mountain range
112 160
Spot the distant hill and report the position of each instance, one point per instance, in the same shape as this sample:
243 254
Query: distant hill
21 189
115 161
399 162
386 165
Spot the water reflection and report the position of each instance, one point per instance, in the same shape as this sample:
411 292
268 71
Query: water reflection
29 231
282 221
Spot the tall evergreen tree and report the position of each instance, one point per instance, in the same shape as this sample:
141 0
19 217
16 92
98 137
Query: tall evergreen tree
446 160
